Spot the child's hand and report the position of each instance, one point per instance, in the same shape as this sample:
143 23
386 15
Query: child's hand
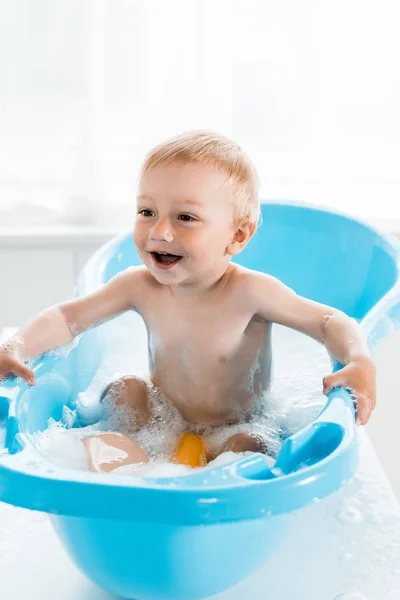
359 376
11 365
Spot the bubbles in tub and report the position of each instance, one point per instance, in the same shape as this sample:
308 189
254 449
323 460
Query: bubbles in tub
159 436
255 368
293 400
68 417
296 392
226 458
88 401
154 470
63 446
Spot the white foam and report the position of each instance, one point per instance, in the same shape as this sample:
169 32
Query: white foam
154 470
64 447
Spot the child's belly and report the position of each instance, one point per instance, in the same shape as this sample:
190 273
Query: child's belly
215 387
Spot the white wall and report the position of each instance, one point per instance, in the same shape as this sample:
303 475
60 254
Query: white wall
38 270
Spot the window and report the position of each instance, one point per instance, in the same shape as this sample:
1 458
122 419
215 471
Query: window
310 89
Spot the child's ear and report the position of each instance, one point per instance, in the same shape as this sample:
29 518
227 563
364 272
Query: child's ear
241 235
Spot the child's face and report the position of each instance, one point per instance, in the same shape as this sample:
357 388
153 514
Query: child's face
185 211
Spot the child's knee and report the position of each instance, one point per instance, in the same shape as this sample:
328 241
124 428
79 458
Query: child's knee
243 442
129 391
110 450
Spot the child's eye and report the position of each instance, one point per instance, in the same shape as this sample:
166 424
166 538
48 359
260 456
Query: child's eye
186 218
146 212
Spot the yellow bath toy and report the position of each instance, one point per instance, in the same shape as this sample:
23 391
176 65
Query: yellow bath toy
191 451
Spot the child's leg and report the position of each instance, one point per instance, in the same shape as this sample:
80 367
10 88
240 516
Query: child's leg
235 438
242 442
110 450
130 392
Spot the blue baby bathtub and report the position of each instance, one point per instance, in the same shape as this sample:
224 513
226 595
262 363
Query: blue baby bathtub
194 536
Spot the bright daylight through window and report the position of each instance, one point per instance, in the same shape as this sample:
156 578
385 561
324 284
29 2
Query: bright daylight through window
310 89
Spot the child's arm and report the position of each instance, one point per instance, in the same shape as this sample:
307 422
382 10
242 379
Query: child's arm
59 324
341 335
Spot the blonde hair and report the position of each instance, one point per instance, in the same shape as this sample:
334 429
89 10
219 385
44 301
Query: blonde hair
212 149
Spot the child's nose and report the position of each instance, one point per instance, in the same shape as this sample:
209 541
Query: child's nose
162 231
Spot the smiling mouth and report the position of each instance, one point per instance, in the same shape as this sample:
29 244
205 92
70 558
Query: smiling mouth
163 258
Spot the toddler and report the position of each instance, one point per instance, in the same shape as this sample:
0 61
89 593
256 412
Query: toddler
208 320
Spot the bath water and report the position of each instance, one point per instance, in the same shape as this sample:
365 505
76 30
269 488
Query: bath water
294 399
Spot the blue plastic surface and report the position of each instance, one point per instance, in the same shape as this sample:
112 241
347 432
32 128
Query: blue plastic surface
193 536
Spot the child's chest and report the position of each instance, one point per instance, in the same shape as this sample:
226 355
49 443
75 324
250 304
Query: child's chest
212 333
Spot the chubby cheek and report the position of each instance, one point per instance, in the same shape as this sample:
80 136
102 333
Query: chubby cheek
138 237
209 250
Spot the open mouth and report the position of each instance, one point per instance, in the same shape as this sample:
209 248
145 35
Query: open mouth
164 259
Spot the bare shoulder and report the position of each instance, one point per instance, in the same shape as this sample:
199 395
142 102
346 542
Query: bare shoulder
136 281
259 291
252 282
135 274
